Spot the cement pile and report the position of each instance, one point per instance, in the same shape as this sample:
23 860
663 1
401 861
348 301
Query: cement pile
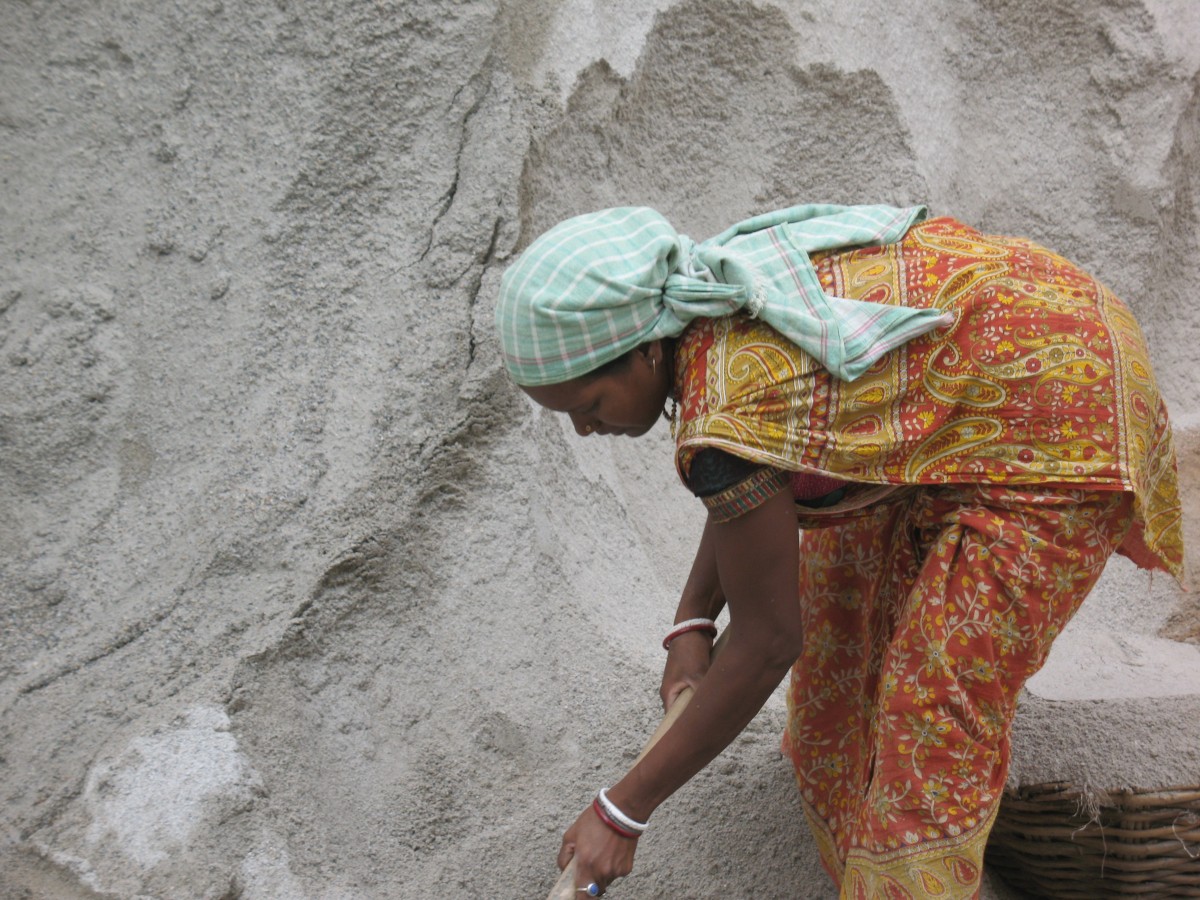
301 598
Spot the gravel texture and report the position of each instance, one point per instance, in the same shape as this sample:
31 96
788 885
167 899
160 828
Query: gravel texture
300 597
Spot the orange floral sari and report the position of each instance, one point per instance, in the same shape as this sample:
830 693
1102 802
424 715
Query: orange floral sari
996 465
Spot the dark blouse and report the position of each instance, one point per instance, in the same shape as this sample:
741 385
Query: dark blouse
731 486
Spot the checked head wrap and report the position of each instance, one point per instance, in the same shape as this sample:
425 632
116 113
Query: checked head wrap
596 286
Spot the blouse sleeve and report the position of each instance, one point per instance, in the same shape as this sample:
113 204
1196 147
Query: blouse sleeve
730 486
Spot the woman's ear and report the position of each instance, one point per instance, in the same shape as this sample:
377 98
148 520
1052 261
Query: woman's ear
652 352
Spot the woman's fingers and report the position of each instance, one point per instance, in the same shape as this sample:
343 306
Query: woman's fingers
687 663
584 879
596 854
565 853
670 692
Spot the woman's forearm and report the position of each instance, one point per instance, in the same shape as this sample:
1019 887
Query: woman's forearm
702 596
731 694
755 560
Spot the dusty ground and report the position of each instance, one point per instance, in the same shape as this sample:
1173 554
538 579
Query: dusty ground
300 597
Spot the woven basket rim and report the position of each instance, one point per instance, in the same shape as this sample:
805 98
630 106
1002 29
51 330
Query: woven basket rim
1064 840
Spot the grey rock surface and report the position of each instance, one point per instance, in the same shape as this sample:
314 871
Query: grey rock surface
300 597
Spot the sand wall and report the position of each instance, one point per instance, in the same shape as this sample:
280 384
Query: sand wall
301 598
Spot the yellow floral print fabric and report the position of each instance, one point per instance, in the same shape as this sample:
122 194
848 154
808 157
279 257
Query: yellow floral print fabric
1042 379
925 614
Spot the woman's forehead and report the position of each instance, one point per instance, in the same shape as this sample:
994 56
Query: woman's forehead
565 396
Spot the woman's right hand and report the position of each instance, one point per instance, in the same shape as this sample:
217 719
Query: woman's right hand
687 663
601 855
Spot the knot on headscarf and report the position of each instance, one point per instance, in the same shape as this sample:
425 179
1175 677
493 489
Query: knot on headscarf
594 287
708 282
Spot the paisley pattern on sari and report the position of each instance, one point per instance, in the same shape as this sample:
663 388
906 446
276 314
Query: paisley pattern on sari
996 464
1043 379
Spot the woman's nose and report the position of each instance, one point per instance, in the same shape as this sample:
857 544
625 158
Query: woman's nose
583 425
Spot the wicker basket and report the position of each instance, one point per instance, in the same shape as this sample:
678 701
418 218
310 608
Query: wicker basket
1061 842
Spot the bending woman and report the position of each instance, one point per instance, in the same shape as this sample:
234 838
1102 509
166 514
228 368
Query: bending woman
964 428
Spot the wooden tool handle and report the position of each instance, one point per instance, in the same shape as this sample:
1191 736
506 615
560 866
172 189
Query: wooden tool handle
564 888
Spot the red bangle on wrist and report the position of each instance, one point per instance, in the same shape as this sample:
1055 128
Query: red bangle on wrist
706 625
604 817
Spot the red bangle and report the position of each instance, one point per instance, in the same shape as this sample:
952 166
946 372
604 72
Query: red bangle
604 817
705 625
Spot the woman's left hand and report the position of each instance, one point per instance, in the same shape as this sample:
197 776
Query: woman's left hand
687 664
601 855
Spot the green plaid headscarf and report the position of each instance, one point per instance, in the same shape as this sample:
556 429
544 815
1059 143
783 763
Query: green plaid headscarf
594 287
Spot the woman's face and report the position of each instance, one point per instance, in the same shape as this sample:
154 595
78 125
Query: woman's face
626 399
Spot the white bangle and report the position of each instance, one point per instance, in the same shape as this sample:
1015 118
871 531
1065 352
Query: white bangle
690 625
618 816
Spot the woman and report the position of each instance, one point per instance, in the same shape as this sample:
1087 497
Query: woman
963 426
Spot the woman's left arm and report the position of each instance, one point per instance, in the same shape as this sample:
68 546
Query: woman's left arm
757 556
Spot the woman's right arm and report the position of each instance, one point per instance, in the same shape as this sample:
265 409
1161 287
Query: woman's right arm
702 598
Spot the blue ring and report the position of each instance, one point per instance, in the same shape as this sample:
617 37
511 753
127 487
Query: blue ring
593 890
